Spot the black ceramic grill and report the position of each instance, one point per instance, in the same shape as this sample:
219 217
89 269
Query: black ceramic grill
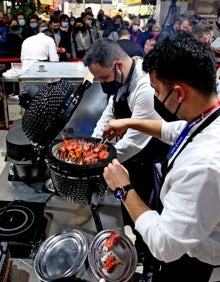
47 110
76 182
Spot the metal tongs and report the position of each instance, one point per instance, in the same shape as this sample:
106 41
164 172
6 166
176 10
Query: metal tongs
105 139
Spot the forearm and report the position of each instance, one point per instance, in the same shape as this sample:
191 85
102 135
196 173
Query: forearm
134 205
117 176
150 127
119 127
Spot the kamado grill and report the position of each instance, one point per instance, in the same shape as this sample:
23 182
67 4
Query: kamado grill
77 182
48 108
75 167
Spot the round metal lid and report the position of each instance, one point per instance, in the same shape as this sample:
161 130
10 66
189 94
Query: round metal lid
61 256
124 250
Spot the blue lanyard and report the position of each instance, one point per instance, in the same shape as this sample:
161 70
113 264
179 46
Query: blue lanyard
187 129
180 139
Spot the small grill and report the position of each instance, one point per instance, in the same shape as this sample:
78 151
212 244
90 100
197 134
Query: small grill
48 108
78 182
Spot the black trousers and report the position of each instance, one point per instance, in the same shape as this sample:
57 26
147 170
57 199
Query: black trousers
141 171
185 269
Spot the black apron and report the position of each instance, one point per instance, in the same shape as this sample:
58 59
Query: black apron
141 172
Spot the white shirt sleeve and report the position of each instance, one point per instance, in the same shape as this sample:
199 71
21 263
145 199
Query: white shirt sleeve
52 51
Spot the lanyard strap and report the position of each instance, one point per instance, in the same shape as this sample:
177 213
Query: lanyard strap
209 120
126 85
187 129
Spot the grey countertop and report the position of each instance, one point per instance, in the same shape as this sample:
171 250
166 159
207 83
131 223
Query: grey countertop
70 70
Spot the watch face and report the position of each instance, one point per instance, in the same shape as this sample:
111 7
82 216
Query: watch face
119 193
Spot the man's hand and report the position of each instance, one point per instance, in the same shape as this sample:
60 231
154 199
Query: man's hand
115 128
116 175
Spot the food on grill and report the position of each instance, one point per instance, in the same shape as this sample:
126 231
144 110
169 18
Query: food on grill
110 262
112 240
81 151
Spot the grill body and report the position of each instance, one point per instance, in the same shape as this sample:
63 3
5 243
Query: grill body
77 182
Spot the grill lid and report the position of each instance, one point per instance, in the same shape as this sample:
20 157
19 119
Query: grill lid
49 107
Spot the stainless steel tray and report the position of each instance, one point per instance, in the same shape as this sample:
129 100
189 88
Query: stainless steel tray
123 250
61 256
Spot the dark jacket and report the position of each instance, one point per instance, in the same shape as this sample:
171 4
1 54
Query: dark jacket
3 38
131 48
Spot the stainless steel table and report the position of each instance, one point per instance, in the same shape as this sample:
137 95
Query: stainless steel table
61 215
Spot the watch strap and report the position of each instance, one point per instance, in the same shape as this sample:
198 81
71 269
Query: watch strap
128 187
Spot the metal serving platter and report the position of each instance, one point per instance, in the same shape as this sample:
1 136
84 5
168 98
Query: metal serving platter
61 255
123 250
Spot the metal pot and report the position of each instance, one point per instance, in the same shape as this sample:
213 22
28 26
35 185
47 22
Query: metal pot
61 256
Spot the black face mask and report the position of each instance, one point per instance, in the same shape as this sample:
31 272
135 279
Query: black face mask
56 30
15 27
163 111
112 87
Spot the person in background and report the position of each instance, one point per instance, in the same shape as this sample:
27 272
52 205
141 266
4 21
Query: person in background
81 39
61 39
203 32
32 25
100 19
149 44
88 19
39 48
150 24
72 22
156 31
65 23
15 39
108 29
170 30
89 10
130 95
184 24
118 23
216 24
136 35
3 36
216 32
184 234
42 25
131 48
22 23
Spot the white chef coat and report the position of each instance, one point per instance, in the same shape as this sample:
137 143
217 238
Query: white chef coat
39 47
190 220
141 104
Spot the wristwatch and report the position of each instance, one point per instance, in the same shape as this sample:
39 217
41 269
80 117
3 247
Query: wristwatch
121 192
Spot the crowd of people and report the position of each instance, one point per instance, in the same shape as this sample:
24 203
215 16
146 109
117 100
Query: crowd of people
73 36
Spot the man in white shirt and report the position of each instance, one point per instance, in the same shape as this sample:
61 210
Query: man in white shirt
39 47
185 234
